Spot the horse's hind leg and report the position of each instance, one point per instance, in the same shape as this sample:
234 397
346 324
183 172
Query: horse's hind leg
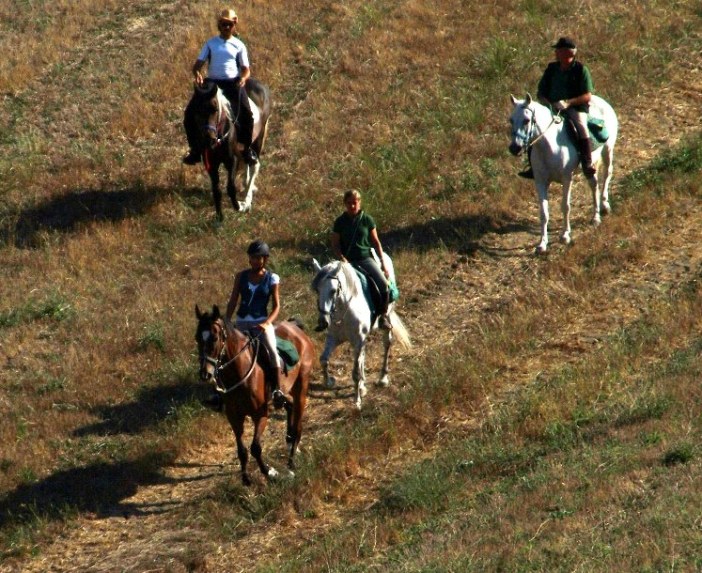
542 193
294 427
249 186
231 184
608 169
387 342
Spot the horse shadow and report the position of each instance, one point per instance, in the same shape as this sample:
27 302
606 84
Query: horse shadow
99 489
460 234
151 406
69 212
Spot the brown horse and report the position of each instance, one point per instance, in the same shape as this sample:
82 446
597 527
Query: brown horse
228 357
213 113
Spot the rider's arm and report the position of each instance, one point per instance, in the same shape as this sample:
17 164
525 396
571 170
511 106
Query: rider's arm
336 247
233 298
197 71
244 74
378 248
275 307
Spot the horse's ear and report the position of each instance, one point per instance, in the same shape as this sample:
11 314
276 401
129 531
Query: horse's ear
198 314
513 99
527 101
215 312
316 266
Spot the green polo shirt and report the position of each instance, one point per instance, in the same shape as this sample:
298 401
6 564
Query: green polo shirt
355 235
557 84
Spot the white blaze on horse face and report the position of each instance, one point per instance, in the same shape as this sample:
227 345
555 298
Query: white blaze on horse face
206 335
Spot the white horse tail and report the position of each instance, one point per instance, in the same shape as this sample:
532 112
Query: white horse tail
400 332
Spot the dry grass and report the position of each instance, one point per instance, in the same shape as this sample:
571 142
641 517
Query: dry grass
108 243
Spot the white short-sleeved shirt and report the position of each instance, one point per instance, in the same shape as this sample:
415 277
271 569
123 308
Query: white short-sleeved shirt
225 58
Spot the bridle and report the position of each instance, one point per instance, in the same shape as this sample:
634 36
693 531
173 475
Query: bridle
337 298
531 140
253 342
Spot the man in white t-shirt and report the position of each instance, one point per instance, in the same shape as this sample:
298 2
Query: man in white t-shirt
227 66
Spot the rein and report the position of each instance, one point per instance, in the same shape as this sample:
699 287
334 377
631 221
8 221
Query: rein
253 342
554 119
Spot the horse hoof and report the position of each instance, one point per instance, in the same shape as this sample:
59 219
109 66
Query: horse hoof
596 222
358 405
246 480
362 390
272 474
541 249
330 382
384 381
244 208
565 239
606 208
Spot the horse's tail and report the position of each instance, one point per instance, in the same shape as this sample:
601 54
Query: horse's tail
400 332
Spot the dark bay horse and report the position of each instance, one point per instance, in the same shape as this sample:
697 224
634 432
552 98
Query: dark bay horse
229 357
213 113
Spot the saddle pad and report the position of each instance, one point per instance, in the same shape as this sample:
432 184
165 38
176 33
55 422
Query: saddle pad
287 351
598 129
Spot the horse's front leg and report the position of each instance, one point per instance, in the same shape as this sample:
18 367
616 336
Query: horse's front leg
387 342
565 210
230 164
359 371
237 424
329 346
542 196
216 193
260 423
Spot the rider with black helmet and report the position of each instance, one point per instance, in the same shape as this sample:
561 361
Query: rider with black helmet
253 289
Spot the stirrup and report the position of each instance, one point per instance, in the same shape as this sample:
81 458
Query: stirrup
279 399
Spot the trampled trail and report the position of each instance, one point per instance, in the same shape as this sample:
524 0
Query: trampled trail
142 533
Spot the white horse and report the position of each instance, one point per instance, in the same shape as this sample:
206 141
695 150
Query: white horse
344 311
554 157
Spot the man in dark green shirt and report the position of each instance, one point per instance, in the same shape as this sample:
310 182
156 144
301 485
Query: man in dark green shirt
566 86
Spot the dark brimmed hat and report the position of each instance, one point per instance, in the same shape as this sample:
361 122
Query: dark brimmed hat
565 42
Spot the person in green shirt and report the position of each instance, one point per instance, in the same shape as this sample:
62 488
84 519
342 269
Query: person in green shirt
353 235
566 86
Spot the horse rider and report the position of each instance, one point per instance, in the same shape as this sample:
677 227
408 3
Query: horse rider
254 288
566 86
353 234
227 66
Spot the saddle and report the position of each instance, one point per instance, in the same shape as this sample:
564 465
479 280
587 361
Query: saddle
371 292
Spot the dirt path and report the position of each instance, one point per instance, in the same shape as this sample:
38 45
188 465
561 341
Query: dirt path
142 534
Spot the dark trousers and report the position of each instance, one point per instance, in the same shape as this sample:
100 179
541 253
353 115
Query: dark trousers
376 274
241 113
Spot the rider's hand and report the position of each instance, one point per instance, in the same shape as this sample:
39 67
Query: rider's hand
561 105
199 79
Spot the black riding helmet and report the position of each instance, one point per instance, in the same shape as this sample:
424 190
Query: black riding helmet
258 249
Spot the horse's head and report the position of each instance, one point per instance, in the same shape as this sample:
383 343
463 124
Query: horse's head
211 336
522 123
212 113
327 285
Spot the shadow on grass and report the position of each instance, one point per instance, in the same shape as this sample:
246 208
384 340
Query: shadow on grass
67 213
99 489
460 234
151 406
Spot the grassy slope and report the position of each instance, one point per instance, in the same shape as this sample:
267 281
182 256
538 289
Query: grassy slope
108 242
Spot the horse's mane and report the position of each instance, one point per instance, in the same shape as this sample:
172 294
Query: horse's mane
333 269
223 105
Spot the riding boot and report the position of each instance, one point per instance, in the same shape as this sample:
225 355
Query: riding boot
249 155
194 156
384 318
527 173
279 399
585 150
